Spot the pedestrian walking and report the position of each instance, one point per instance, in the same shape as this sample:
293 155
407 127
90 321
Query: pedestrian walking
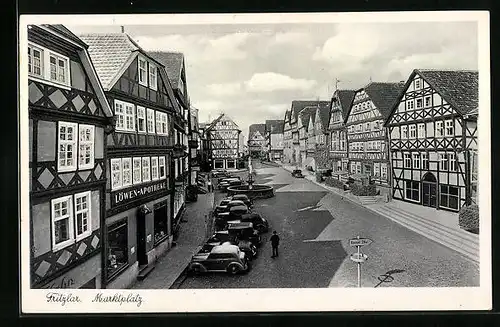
275 241
210 186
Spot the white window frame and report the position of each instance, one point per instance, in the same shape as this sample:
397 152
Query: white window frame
136 172
383 171
159 120
404 132
150 115
406 160
129 170
412 131
146 169
129 117
58 57
116 162
428 97
443 160
69 216
415 160
162 163
418 84
164 124
449 124
452 162
144 80
153 77
406 188
421 131
141 115
439 132
421 101
411 104
154 167
424 157
88 210
73 143
86 143
31 62
120 115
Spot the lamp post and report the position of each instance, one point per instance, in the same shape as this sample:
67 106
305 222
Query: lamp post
250 171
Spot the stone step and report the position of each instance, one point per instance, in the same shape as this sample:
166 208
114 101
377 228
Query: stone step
433 232
144 272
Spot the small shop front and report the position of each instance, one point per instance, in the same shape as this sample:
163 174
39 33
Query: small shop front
85 275
139 234
179 200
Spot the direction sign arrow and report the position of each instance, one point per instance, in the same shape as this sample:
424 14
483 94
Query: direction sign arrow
359 257
360 241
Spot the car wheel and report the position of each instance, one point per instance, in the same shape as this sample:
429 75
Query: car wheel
233 269
196 270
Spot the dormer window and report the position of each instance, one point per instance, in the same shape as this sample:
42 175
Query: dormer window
143 71
152 77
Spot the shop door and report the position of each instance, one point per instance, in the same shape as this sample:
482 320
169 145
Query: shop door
142 258
429 190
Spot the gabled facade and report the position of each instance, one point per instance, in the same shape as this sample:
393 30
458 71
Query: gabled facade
257 140
306 136
139 223
287 138
224 138
68 121
366 136
194 145
433 133
339 107
274 139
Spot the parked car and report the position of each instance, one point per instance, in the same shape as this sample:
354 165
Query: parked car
243 197
222 237
229 212
244 231
219 173
221 258
297 173
224 183
259 223
222 205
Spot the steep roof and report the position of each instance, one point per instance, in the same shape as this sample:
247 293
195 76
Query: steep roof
110 52
307 113
460 88
252 129
173 62
214 122
63 30
274 126
324 115
287 115
298 105
345 97
384 95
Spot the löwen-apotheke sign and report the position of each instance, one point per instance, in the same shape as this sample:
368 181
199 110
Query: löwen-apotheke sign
130 194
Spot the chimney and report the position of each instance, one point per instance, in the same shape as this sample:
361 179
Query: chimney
122 29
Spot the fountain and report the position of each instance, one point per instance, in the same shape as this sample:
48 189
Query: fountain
252 190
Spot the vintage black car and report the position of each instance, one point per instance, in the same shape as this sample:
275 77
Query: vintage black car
222 205
222 237
243 197
297 173
225 182
244 231
221 258
231 211
219 173
260 224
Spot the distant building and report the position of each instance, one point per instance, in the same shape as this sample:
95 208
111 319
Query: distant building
224 136
256 140
194 145
306 137
433 133
274 139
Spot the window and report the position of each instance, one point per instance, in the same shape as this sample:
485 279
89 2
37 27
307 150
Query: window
86 147
58 69
141 119
383 171
452 162
120 115
404 132
35 61
416 160
358 167
410 105
353 167
160 222
417 84
117 256
425 161
126 171
152 77
376 169
67 146
116 174
151 121
62 222
421 131
450 130
146 173
367 127
154 168
124 113
419 103
161 165
143 72
159 119
407 160
427 101
448 196
413 131
164 124
443 159
129 117
439 129
136 170
412 191
82 215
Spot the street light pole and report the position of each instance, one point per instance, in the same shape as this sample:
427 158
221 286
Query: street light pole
359 266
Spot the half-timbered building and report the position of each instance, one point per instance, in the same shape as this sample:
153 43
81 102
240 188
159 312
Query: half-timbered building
321 119
68 119
274 139
339 107
174 63
139 152
368 150
224 138
306 136
433 133
256 140
287 138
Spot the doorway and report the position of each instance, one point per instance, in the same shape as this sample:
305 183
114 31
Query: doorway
429 190
142 257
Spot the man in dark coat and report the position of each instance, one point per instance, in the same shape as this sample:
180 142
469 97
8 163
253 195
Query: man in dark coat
275 241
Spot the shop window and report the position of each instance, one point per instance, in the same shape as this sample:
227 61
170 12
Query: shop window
230 164
117 256
141 119
160 222
218 164
82 215
448 196
412 191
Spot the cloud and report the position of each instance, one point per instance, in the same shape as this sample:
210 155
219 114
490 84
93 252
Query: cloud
294 38
269 82
224 89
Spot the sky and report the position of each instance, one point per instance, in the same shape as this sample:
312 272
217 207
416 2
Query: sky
253 72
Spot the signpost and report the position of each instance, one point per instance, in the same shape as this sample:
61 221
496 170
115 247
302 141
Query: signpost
359 257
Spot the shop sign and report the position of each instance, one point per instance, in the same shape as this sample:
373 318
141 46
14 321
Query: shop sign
131 194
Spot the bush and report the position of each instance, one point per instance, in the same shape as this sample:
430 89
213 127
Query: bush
330 181
468 218
363 190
